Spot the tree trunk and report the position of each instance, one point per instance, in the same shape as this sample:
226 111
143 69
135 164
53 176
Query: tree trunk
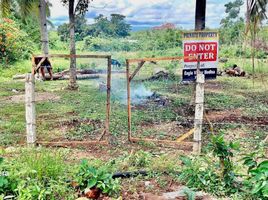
72 84
43 26
253 42
200 15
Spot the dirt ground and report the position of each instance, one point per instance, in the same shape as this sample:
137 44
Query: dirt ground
39 96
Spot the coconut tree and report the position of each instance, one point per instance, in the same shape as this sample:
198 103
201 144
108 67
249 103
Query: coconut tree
25 8
75 8
256 13
43 5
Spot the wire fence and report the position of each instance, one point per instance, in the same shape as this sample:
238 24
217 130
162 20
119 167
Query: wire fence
160 106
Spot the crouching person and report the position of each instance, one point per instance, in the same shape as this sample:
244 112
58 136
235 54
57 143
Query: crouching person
45 66
238 71
235 71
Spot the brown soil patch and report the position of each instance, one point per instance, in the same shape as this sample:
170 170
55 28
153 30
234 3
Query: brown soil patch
76 123
164 130
223 114
39 96
235 116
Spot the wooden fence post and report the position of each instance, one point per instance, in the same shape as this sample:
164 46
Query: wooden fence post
128 101
30 114
108 103
199 109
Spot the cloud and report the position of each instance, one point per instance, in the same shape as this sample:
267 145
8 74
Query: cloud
149 13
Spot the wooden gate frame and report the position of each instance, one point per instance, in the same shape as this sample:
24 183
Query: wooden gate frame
180 143
108 100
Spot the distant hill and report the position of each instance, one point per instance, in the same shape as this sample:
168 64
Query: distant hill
165 26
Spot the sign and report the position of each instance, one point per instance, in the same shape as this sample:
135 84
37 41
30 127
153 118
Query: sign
204 44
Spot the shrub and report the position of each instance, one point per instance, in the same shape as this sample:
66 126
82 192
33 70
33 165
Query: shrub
36 174
7 184
207 175
257 180
14 43
90 177
109 44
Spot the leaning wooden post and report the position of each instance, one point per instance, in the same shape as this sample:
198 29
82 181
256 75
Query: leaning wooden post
30 114
199 109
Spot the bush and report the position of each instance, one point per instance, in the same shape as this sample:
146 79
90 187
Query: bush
91 177
36 174
14 43
7 185
257 177
109 44
207 175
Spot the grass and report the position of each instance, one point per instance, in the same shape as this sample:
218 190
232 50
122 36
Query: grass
89 103
80 115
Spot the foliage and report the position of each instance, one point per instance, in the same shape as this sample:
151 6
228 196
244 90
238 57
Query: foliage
154 41
14 43
224 151
139 159
257 9
90 177
201 174
103 27
232 26
22 7
256 13
29 25
257 180
38 174
81 29
56 43
81 7
158 39
116 26
204 174
109 44
7 185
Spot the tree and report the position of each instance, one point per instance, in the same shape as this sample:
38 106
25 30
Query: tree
232 25
81 29
118 25
28 8
102 26
256 13
14 42
43 26
80 9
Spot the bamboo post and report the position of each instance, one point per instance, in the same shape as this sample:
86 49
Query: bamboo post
128 102
30 114
199 111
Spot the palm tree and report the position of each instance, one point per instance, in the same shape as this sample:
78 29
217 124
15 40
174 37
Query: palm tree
256 13
43 25
38 8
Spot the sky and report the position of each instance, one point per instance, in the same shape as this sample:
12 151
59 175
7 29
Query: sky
144 14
